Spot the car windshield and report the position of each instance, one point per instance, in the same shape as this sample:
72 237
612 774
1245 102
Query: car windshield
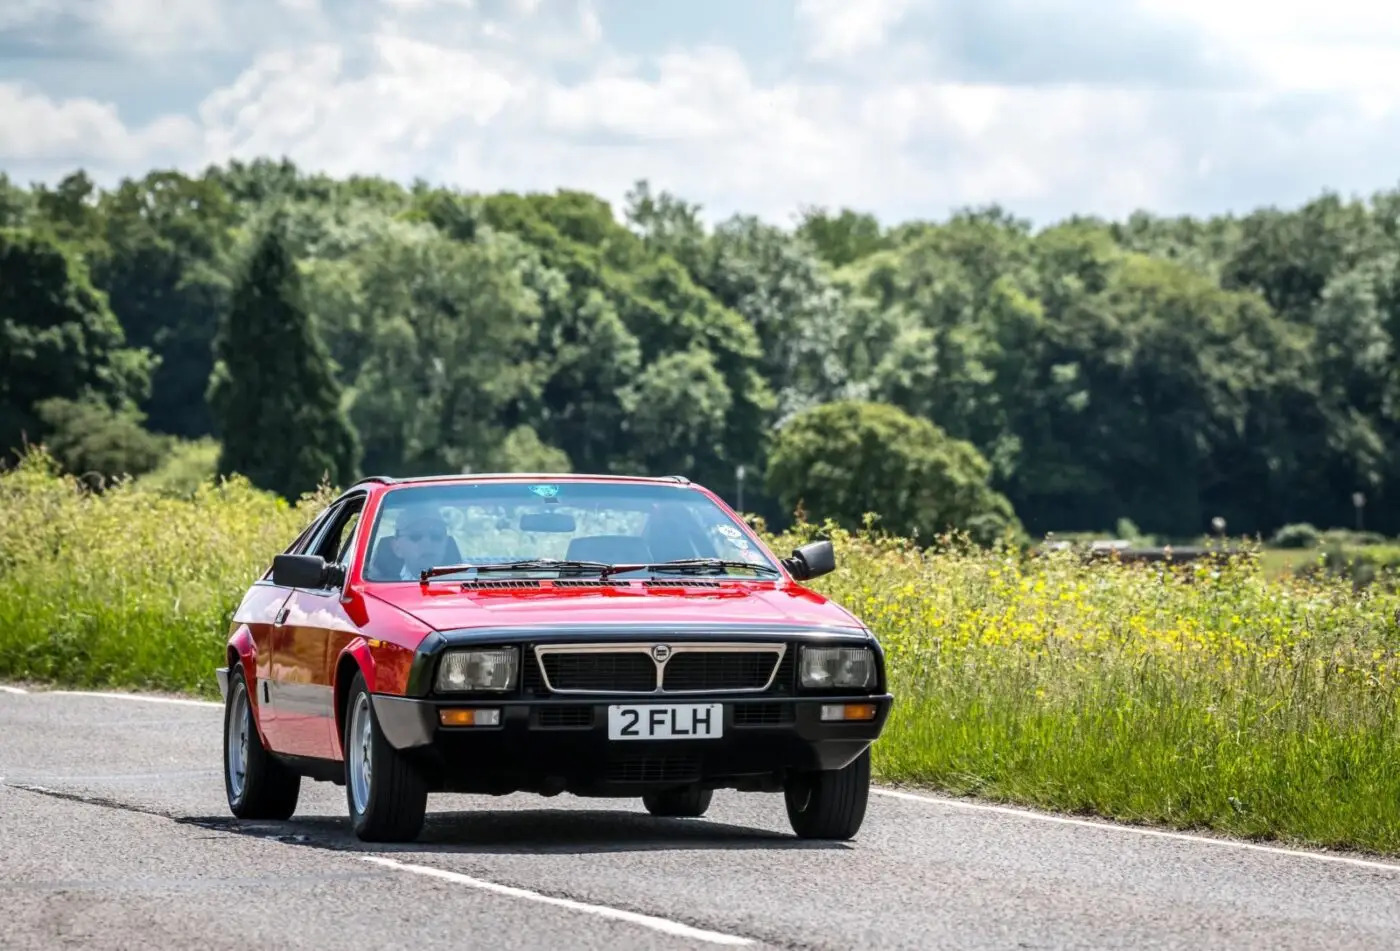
493 523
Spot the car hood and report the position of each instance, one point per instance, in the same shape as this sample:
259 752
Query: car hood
447 607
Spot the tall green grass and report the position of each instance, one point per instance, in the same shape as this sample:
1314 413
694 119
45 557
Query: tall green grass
1200 696
1206 696
133 587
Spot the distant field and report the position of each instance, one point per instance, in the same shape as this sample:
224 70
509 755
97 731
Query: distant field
1237 700
1277 562
1365 563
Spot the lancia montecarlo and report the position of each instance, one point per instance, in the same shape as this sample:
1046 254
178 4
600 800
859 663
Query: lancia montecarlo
602 636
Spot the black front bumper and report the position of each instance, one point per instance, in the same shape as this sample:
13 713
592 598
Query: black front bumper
556 746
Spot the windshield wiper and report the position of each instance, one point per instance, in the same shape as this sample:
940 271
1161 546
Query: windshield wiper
603 569
522 565
688 564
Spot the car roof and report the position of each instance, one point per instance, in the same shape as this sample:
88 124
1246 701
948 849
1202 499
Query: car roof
465 478
517 476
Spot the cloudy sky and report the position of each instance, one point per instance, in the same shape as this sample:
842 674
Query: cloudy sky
907 108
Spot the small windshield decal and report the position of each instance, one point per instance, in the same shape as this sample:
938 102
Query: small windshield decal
729 530
545 491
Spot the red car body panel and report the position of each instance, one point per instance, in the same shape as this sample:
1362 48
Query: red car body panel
446 606
253 623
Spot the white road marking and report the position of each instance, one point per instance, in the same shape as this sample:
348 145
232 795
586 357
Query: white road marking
17 690
603 911
119 696
1136 830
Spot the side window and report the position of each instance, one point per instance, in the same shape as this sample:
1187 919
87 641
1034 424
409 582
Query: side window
298 545
334 543
348 538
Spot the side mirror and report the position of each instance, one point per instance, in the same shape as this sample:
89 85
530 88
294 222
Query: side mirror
304 571
812 560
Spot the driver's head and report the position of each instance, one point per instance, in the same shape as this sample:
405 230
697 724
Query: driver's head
420 537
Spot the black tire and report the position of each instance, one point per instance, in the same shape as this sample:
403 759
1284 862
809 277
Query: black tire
688 802
829 804
397 798
269 790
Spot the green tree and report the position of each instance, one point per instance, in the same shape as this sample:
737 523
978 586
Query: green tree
273 390
777 284
843 237
90 438
163 266
843 460
447 366
58 338
1161 370
15 203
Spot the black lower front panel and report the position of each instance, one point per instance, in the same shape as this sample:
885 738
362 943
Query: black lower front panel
552 747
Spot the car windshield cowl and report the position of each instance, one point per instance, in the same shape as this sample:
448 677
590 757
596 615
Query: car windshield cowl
602 568
719 564
525 564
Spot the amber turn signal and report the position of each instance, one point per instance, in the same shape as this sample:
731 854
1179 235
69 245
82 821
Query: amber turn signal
453 717
848 711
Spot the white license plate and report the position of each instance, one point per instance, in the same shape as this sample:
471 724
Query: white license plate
683 721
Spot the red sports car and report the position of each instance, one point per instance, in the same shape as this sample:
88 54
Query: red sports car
596 635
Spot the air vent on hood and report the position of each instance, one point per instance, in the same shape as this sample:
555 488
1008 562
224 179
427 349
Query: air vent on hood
679 583
535 584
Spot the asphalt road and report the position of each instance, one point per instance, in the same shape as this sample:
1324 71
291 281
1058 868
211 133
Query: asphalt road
114 833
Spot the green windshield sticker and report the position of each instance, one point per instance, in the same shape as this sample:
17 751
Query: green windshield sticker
545 491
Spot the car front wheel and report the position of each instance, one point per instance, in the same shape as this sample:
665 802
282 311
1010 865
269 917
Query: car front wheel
829 804
386 795
257 785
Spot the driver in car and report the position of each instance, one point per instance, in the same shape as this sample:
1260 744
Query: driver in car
420 540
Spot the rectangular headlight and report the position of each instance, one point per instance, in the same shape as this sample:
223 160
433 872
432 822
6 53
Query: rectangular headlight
837 667
476 670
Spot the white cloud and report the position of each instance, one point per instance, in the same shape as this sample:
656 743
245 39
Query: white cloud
698 123
17 13
142 29
81 131
1341 45
838 29
414 97
156 26
468 92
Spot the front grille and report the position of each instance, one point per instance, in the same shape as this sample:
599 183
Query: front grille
574 715
531 680
719 670
785 680
695 668
655 769
762 714
622 671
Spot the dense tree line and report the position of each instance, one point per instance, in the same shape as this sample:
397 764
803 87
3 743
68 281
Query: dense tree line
974 371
